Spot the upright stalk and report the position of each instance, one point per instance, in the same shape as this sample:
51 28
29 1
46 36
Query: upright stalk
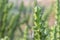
58 19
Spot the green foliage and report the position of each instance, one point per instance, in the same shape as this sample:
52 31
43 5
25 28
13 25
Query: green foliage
42 30
4 9
9 23
7 27
58 19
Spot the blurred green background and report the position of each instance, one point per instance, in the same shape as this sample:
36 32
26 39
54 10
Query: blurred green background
17 20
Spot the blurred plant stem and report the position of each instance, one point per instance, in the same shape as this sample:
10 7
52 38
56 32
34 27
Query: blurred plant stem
58 19
42 30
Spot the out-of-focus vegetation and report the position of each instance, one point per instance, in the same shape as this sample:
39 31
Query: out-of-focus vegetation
10 21
21 25
43 29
